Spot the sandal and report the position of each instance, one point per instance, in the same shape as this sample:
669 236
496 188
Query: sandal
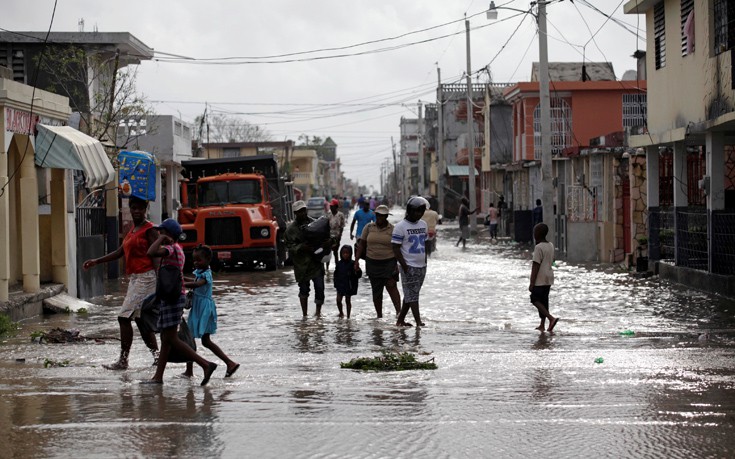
232 372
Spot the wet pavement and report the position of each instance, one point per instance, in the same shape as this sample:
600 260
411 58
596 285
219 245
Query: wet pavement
502 388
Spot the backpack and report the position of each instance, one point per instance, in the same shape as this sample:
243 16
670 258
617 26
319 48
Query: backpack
169 282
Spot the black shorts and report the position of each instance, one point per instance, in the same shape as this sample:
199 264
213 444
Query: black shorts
540 293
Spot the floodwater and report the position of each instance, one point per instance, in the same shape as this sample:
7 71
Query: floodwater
502 388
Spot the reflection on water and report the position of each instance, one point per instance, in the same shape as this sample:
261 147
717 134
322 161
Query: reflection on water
661 392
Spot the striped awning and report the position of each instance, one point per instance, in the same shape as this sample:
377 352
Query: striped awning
63 147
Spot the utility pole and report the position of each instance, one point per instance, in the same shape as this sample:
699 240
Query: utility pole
440 142
395 172
547 189
420 190
471 135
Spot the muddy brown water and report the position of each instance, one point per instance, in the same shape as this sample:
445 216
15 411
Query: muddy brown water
502 388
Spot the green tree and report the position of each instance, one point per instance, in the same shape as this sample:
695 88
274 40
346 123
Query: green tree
100 89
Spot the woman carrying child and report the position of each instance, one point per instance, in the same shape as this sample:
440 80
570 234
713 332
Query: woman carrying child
203 314
345 279
171 253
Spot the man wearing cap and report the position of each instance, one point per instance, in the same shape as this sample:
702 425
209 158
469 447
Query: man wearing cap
336 226
307 266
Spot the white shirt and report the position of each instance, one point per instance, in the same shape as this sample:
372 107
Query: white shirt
543 254
412 239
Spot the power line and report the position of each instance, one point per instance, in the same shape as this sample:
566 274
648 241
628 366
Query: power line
320 50
33 98
628 27
239 61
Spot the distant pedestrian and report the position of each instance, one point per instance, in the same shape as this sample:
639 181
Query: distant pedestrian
492 219
373 203
347 205
203 314
171 253
307 266
464 222
381 265
346 279
409 239
431 217
142 280
538 213
360 218
542 276
502 206
360 200
336 226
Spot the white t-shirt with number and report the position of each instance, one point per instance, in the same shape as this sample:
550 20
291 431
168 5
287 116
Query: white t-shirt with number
412 239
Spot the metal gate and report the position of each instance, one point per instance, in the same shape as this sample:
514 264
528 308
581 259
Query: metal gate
90 225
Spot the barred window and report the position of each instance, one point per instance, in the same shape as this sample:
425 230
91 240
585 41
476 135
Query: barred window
724 24
659 34
230 152
634 109
561 127
687 8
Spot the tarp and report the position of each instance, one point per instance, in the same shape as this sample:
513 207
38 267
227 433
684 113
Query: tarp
63 147
454 170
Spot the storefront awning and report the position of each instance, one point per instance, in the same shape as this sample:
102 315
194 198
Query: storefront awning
460 171
63 147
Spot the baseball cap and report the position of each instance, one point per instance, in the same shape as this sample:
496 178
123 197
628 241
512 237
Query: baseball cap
298 205
334 202
172 226
383 210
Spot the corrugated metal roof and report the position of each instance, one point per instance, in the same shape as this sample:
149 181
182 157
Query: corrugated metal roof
572 71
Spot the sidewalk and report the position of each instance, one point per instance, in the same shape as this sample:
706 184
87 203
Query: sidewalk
22 305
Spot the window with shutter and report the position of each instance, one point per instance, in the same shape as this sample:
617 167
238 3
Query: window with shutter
687 8
659 34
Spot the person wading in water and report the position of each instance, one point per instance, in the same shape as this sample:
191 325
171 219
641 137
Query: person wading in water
142 274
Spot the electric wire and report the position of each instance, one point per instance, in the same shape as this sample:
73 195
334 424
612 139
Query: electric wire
33 98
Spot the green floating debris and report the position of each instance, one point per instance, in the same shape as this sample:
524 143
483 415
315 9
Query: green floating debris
55 363
389 361
599 360
627 333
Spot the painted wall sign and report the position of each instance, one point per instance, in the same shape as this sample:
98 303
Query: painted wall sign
20 122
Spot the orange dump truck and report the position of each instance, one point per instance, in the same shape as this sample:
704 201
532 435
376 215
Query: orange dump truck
239 207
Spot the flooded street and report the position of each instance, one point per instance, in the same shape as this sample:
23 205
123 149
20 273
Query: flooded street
502 389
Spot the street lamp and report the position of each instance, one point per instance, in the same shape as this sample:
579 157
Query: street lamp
492 12
547 188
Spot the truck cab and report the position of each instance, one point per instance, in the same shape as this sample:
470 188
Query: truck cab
235 213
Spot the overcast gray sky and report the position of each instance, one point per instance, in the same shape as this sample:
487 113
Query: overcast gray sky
358 100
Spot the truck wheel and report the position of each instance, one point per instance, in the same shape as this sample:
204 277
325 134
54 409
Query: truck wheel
271 263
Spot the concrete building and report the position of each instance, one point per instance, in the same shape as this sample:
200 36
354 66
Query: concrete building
38 221
283 151
582 108
305 164
497 153
408 170
83 66
691 119
454 142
